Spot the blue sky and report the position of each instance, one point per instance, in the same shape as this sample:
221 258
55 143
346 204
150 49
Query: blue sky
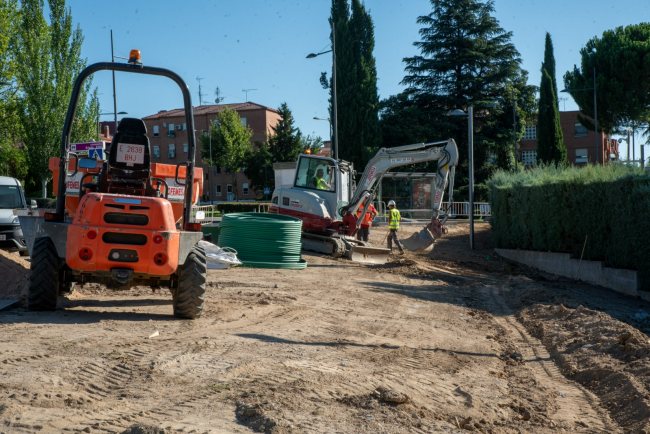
262 44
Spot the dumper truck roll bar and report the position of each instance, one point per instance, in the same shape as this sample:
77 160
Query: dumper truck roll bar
133 67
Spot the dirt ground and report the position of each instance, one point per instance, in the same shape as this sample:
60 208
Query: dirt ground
450 340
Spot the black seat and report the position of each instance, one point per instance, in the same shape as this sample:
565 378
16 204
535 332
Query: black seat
129 159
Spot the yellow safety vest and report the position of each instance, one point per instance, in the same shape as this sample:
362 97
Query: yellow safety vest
321 184
395 217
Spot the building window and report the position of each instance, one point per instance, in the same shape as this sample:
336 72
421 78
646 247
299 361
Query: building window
219 189
186 148
218 169
530 133
171 151
582 156
156 151
580 130
244 187
229 188
170 130
529 158
156 130
243 121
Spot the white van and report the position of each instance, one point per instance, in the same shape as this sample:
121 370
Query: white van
12 198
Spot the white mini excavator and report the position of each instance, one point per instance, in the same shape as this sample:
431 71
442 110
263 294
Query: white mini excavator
324 196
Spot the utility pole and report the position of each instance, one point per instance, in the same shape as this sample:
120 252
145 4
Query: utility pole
114 95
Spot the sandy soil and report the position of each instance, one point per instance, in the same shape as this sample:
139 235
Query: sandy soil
444 341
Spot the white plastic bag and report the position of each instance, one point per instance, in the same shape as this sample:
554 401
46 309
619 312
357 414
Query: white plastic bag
219 258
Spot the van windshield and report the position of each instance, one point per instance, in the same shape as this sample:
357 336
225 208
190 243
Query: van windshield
10 197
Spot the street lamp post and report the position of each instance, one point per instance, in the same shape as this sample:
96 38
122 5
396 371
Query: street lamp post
470 164
316 118
334 128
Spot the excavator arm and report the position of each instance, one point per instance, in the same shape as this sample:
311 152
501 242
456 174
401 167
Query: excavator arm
445 152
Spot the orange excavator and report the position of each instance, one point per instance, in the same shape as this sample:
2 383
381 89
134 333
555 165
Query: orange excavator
119 225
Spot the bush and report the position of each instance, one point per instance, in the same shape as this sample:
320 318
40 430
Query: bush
595 213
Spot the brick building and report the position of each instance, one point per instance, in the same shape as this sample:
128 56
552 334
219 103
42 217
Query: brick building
167 131
582 145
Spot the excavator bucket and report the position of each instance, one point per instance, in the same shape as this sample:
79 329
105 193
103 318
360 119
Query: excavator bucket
365 254
419 240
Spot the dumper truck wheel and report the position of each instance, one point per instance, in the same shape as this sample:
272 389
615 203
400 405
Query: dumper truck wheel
189 295
44 276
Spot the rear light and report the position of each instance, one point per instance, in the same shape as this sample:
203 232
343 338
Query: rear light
157 239
91 234
85 254
160 259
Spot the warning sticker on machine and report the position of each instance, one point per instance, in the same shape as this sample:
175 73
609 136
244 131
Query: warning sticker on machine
176 191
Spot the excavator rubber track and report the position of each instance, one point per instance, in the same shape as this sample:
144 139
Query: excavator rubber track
350 248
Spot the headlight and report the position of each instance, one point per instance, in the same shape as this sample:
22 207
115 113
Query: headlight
16 221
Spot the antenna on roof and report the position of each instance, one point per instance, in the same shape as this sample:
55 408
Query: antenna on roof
200 94
218 98
246 92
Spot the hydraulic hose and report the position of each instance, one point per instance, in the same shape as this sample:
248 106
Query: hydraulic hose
263 240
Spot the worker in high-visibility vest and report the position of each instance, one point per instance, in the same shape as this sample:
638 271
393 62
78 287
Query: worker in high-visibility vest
319 182
364 227
394 218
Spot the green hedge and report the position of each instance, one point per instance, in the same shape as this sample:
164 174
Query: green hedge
604 210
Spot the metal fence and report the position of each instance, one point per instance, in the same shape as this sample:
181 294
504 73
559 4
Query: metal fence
456 210
212 213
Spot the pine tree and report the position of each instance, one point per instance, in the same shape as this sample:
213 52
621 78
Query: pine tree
285 144
467 58
550 141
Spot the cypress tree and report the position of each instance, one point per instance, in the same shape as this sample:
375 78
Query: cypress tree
550 141
356 82
550 146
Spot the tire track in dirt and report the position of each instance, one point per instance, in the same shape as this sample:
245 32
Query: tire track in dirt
570 398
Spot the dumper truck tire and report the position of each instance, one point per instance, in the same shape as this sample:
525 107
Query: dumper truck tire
44 276
189 294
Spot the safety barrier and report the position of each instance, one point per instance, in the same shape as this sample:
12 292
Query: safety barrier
212 213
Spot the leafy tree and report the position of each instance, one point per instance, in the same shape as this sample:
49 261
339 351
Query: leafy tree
285 143
550 141
12 156
231 143
619 62
465 58
259 167
356 82
48 59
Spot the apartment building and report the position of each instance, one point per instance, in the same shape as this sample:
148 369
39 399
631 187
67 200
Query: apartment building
583 147
167 131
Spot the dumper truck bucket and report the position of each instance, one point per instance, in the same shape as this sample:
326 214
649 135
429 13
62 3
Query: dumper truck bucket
366 254
419 240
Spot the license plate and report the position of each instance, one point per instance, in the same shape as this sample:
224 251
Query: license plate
3 237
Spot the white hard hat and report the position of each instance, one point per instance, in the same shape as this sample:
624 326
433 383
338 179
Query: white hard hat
391 203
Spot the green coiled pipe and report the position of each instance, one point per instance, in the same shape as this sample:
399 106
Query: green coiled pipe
263 240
